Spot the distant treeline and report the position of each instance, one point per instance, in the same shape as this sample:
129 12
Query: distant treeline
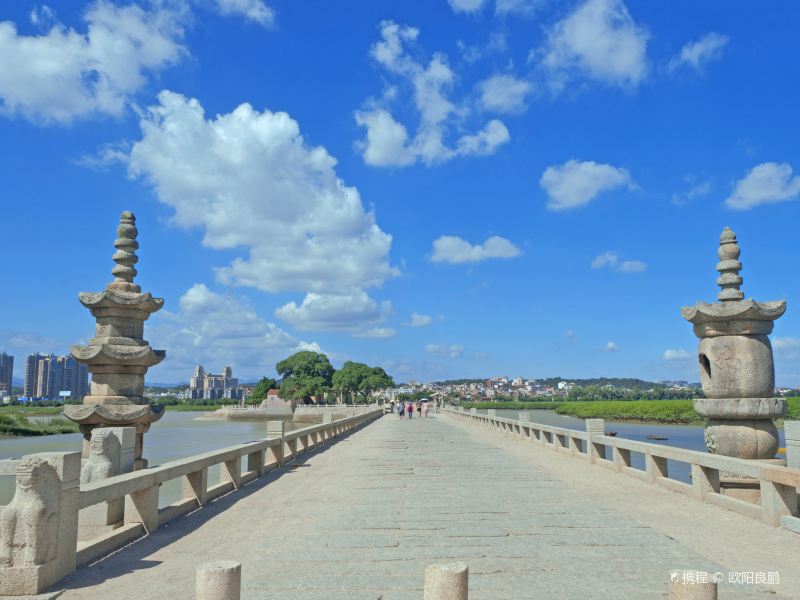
652 411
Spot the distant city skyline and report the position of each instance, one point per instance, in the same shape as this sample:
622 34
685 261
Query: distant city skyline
50 377
449 189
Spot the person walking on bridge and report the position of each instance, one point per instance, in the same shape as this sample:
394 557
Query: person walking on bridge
425 409
410 410
400 409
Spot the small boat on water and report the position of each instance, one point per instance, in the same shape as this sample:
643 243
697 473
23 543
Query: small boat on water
657 437
611 433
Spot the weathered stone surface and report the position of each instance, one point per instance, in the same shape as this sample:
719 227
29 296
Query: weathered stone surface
118 357
219 580
684 585
39 527
737 371
449 581
367 516
740 408
737 366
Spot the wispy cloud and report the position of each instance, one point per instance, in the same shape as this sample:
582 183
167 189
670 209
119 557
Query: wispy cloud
454 250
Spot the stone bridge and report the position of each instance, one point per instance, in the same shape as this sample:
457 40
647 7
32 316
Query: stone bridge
357 508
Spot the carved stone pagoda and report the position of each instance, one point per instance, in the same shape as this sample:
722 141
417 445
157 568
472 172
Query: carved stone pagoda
736 365
118 357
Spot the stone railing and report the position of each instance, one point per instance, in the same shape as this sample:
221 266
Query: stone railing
777 484
39 527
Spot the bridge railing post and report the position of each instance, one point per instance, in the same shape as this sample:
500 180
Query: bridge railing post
256 461
791 430
276 429
595 427
777 501
196 485
142 507
39 526
704 481
655 467
231 470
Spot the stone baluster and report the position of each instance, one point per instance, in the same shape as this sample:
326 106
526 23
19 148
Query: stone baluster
276 429
594 450
39 527
791 430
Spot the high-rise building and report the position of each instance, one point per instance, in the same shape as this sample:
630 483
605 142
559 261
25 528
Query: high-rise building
6 373
47 376
213 387
31 375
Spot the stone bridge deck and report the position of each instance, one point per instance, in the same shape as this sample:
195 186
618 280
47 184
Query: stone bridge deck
363 518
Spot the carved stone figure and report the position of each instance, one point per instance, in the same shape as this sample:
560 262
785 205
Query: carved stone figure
103 460
29 523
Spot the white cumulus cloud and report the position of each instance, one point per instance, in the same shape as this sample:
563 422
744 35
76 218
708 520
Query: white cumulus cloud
610 260
766 183
600 40
255 11
335 312
215 330
677 355
504 94
375 333
697 190
466 6
419 320
576 183
632 266
436 139
64 74
250 181
519 7
699 53
612 347
454 250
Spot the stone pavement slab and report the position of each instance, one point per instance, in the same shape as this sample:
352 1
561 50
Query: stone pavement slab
364 517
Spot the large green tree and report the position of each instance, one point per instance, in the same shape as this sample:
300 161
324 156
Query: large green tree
375 379
305 374
348 380
262 387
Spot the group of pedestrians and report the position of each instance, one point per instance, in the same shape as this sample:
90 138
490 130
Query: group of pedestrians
407 409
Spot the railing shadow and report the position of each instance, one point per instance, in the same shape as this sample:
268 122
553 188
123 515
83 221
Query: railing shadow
133 557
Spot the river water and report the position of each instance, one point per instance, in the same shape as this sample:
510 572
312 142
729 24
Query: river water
182 434
176 435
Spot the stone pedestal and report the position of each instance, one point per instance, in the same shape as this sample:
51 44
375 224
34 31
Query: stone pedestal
737 371
118 357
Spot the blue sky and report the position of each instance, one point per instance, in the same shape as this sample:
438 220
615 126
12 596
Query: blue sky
446 188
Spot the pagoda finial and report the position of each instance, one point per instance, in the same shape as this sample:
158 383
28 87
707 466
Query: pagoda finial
125 256
729 266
